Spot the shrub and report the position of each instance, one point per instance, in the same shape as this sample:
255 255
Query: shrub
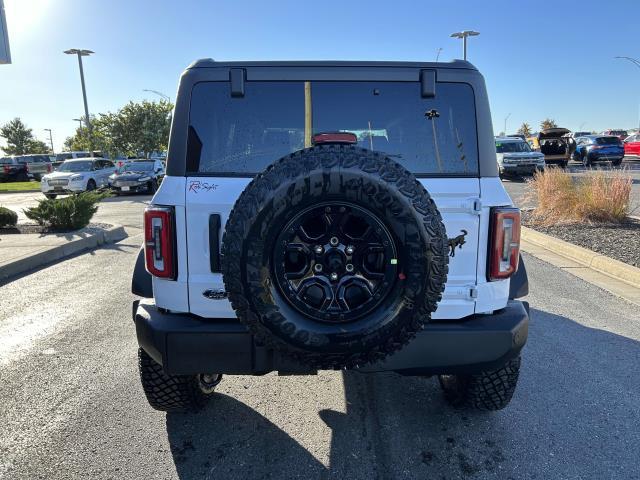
8 218
597 197
70 213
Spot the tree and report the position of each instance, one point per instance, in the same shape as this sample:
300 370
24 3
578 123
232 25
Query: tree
525 129
135 129
20 139
548 123
38 146
140 128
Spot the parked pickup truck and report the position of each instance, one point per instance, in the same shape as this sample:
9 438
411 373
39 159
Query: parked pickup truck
11 170
38 165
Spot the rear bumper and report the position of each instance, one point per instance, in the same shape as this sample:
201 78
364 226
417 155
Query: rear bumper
597 156
185 344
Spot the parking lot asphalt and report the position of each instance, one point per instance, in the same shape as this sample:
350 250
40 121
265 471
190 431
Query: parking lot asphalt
71 405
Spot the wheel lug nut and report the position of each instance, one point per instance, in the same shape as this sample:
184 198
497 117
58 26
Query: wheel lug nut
318 249
317 267
334 276
349 267
350 250
334 241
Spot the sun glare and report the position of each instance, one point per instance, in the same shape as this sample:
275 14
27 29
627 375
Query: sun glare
24 15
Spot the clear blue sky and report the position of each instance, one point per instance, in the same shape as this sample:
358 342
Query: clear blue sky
539 58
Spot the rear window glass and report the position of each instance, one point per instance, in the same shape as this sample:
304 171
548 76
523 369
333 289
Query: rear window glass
231 135
6 161
608 141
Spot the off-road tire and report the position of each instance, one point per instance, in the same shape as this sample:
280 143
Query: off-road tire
491 390
169 393
91 185
327 173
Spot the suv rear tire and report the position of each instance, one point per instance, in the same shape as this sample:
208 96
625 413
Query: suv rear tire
490 390
174 393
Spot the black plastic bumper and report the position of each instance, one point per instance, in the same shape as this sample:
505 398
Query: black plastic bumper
185 344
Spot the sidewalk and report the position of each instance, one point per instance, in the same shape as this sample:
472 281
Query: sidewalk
20 253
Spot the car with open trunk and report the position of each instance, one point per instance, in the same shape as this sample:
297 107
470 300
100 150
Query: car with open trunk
554 143
330 215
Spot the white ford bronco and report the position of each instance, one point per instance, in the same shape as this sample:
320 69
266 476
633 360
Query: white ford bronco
331 215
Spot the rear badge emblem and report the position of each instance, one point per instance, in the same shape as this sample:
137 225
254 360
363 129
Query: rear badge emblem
457 242
214 294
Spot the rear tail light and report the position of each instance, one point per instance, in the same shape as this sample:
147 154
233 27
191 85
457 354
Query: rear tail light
48 168
504 251
26 167
7 169
159 242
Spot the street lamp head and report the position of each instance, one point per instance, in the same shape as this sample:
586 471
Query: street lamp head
77 51
465 33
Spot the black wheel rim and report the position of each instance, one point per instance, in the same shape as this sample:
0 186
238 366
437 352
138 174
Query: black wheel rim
335 262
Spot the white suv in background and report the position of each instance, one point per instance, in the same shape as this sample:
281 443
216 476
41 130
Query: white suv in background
78 175
515 157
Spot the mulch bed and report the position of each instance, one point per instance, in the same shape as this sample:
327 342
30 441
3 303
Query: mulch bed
619 241
34 228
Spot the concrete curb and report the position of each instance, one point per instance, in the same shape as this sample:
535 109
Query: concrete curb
45 256
601 263
6 192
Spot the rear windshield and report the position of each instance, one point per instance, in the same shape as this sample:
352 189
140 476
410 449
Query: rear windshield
608 141
512 147
231 135
33 159
6 161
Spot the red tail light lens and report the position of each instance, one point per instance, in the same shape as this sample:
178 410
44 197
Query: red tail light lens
159 242
48 168
504 251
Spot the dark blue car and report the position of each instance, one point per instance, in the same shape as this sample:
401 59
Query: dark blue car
594 148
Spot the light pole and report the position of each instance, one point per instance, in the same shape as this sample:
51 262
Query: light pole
79 120
50 139
636 62
438 53
505 123
160 94
82 53
463 35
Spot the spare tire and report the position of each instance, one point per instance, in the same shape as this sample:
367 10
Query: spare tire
335 255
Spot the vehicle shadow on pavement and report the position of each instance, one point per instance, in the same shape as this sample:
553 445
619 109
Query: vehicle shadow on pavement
228 439
575 414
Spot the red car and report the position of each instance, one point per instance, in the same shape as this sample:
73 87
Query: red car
632 145
621 134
